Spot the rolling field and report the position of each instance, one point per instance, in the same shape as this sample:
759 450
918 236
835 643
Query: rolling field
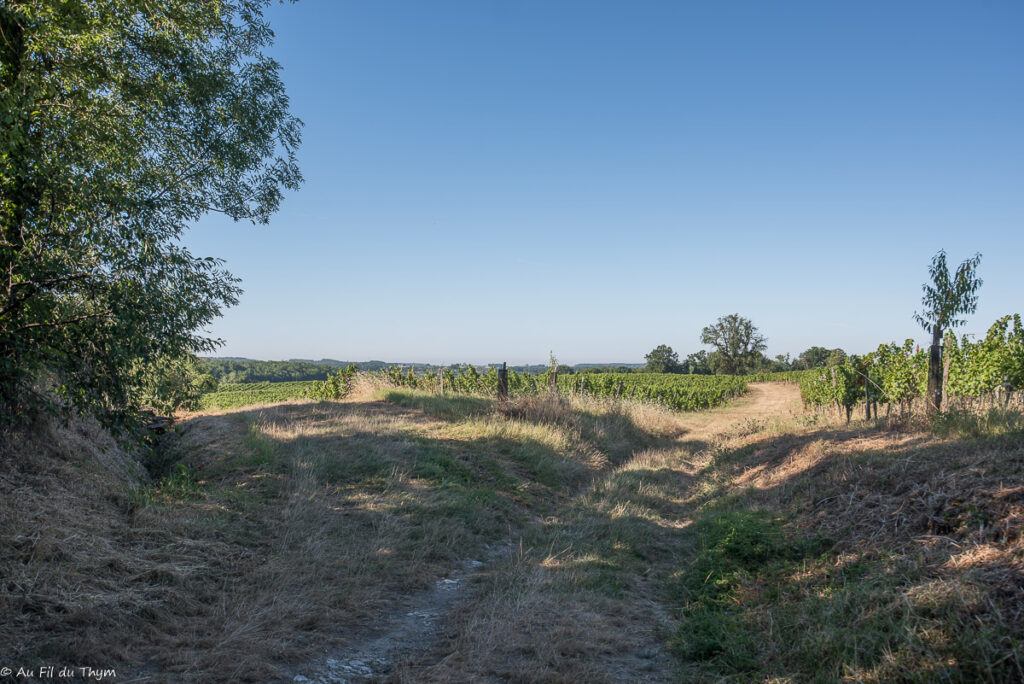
237 395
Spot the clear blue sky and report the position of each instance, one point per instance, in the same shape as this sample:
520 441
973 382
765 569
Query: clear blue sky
489 180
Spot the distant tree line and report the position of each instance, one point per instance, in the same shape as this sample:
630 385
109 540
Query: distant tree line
738 348
247 370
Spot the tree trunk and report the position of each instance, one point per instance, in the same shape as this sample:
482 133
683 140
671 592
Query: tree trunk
944 397
933 400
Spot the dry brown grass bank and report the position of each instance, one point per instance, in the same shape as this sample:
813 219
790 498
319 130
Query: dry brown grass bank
912 564
268 535
271 537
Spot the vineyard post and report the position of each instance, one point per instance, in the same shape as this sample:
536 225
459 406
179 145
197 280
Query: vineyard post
867 398
503 382
618 390
839 410
1006 389
553 381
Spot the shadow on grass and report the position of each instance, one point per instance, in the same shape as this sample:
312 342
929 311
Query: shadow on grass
917 582
613 432
450 407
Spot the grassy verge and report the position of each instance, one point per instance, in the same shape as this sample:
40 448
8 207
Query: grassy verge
857 553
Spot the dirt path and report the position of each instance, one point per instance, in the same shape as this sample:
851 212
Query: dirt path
764 400
619 639
411 628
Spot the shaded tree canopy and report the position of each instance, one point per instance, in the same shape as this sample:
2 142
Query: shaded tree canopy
124 122
662 359
737 342
697 363
816 357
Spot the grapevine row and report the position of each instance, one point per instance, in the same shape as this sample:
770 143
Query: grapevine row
897 374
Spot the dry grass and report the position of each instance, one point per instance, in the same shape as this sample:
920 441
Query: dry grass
924 573
270 534
267 536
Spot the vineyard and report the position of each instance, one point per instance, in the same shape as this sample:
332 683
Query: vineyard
976 374
237 395
679 392
894 374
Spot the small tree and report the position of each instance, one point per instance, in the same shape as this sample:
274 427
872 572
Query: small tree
945 301
662 359
737 343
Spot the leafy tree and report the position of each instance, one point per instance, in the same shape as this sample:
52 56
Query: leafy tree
170 383
124 122
737 342
818 357
662 359
697 364
946 300
813 357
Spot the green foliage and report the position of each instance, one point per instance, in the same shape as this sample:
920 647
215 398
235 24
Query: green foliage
238 395
697 364
229 396
737 342
777 376
817 357
734 548
170 383
248 370
231 370
336 385
978 368
947 298
608 369
897 373
177 486
836 385
662 359
678 392
124 122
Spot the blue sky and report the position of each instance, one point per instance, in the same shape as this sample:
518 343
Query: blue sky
489 181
